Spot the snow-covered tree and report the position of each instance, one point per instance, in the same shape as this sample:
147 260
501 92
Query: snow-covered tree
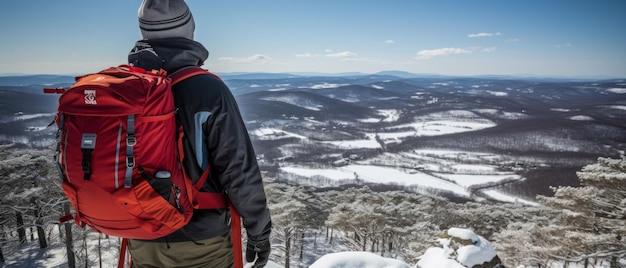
294 213
585 223
596 211
391 223
30 193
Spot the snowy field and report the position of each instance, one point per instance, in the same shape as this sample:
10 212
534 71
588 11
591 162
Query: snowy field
456 172
441 173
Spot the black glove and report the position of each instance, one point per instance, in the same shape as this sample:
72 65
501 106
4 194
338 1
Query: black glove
260 250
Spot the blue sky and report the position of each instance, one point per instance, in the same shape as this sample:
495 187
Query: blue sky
503 37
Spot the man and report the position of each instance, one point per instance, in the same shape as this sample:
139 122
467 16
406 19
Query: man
215 136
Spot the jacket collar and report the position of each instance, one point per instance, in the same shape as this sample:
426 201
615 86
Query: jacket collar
170 54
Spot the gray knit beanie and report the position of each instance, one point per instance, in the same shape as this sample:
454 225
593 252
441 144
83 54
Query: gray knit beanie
165 18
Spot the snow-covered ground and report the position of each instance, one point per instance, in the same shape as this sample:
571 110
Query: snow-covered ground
458 184
450 171
418 128
455 172
389 115
617 90
267 133
448 254
378 174
357 260
501 114
21 117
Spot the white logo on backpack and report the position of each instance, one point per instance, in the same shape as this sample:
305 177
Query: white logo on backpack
90 96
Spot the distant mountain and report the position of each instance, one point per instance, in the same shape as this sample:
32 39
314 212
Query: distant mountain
261 75
318 74
39 79
356 93
248 76
403 74
269 105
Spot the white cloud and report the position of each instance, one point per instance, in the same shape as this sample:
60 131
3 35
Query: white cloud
258 57
254 59
329 54
308 55
512 40
481 49
344 54
564 45
368 60
390 41
431 53
479 35
483 34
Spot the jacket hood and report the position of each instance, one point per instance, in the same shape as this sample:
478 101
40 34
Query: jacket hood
170 54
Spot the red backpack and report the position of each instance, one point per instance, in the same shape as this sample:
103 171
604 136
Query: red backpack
119 153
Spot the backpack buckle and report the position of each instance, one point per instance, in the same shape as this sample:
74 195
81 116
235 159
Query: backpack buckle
130 161
131 140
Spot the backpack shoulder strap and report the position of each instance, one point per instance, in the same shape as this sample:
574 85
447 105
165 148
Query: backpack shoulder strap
200 200
185 73
206 200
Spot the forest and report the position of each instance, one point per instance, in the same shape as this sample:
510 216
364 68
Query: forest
581 226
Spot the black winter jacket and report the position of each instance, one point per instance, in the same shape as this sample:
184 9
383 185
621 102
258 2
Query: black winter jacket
215 135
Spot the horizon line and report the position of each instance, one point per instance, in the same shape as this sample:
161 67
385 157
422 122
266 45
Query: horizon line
349 73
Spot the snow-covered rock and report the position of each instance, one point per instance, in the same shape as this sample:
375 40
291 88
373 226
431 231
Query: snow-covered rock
357 260
460 248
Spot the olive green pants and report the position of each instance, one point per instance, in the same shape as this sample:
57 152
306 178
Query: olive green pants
214 252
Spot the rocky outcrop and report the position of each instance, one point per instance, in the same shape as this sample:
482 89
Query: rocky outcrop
460 248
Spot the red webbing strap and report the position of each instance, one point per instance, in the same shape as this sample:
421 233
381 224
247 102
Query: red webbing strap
179 143
120 262
66 218
203 178
185 73
206 200
235 225
156 118
200 200
177 77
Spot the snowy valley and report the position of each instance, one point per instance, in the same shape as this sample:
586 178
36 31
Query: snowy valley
379 163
